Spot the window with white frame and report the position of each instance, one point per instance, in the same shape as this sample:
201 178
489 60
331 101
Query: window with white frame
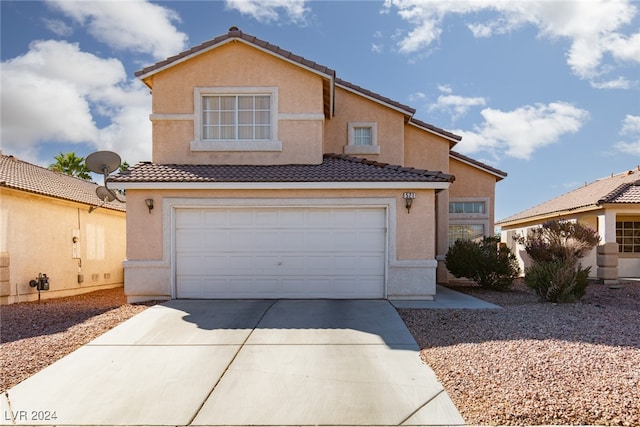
362 138
473 232
468 219
236 119
466 207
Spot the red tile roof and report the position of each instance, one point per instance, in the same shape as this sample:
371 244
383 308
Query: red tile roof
20 175
334 168
620 188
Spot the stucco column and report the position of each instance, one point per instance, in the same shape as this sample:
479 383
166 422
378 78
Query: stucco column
442 235
608 249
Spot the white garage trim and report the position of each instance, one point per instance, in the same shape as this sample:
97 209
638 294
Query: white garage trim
170 205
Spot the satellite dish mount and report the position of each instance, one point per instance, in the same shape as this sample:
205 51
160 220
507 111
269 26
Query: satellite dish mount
104 162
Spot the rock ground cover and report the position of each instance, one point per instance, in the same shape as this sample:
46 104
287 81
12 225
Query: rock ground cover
528 363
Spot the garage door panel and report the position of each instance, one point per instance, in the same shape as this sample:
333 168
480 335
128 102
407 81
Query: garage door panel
266 241
241 241
215 240
280 253
189 239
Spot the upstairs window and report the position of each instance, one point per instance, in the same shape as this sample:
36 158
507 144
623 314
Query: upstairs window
362 138
236 117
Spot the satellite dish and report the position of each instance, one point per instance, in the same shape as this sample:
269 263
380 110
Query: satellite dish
103 162
105 194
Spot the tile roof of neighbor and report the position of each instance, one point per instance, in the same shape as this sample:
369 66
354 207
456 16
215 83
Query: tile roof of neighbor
19 175
620 188
334 168
236 33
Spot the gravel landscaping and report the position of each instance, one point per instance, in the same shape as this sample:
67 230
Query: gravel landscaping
34 335
533 363
528 363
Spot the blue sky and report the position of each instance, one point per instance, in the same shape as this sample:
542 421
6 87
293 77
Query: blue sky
547 91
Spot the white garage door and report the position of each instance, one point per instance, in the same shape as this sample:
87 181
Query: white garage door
280 252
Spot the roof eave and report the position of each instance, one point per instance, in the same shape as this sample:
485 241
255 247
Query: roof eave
338 185
548 215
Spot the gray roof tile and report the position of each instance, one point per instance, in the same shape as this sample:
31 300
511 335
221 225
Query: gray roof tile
20 175
334 168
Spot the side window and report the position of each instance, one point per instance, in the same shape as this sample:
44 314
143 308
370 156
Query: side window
628 236
362 138
468 219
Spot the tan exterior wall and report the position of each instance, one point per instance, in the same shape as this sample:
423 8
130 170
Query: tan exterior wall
423 150
36 237
472 183
299 117
353 108
148 267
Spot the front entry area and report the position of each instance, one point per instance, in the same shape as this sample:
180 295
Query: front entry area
280 252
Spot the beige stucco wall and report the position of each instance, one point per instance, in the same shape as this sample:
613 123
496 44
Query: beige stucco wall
354 108
472 183
300 108
424 150
36 237
148 267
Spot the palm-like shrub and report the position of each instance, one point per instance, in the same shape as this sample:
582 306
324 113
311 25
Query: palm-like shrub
485 262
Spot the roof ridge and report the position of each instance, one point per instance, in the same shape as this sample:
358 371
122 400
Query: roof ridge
235 33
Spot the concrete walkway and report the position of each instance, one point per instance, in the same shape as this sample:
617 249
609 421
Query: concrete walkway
211 362
448 299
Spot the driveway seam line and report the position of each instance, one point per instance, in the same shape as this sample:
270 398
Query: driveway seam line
231 362
421 406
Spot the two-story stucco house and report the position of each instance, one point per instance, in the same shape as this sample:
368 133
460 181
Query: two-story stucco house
272 178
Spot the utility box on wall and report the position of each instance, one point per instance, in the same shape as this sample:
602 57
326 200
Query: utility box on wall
75 244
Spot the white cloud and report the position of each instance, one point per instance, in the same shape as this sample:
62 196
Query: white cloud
455 104
619 83
58 27
631 129
630 125
593 27
267 11
57 93
140 27
519 133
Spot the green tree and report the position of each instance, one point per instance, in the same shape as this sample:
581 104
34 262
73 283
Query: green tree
72 165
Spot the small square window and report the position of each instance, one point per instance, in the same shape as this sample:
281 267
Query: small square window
362 138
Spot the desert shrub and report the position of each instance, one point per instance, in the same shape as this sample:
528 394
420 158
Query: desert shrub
556 248
485 262
556 281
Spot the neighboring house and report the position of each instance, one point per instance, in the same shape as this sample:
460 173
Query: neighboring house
611 206
46 227
272 178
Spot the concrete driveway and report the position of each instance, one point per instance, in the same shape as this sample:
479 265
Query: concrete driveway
266 362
